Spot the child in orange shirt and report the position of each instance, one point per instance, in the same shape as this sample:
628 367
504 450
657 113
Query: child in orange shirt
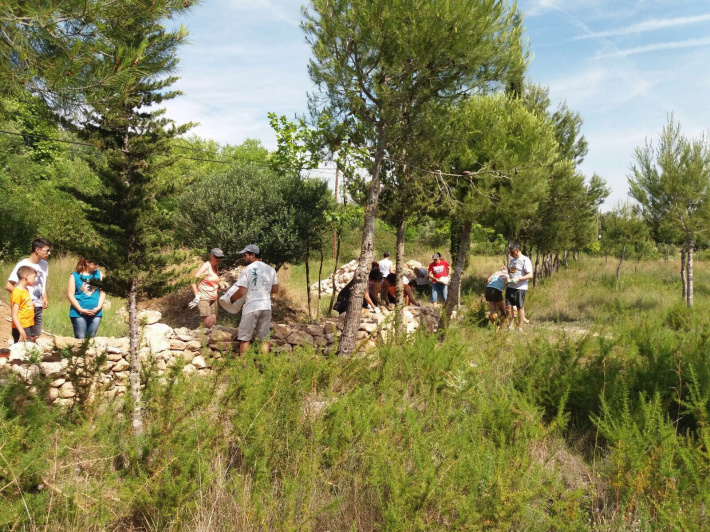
23 310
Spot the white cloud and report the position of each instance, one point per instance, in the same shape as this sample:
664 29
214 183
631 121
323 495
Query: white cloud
285 13
658 47
648 25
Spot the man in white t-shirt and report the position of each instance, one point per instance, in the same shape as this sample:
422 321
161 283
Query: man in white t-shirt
385 264
41 248
520 270
258 282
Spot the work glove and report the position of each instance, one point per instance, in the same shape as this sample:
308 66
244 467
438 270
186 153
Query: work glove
192 304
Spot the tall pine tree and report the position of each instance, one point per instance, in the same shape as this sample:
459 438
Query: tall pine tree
120 116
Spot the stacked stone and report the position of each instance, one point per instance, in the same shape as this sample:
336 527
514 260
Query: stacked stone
346 272
163 347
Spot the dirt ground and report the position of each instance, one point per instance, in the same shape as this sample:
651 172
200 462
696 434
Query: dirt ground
5 325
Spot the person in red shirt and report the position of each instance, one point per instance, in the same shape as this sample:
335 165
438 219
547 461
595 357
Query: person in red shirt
439 275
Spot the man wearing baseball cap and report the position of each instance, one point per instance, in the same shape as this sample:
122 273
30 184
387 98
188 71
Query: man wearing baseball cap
206 290
258 282
520 271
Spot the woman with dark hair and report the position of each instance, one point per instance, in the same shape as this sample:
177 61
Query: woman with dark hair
86 299
389 291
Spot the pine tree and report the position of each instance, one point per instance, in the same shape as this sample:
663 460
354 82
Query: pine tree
120 116
384 63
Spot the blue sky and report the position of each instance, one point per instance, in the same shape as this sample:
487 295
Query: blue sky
624 65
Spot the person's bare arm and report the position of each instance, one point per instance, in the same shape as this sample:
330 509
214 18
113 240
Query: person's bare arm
241 291
45 300
274 289
10 286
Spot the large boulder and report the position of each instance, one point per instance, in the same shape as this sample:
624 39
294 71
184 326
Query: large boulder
300 338
149 317
157 337
24 352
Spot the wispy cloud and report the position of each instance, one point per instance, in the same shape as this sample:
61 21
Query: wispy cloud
285 13
648 25
658 47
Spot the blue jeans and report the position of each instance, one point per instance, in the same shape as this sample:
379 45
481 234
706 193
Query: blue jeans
85 326
438 289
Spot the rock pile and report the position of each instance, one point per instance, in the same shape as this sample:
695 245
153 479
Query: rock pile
104 366
345 273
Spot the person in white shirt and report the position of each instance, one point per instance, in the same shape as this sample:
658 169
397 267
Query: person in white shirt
41 248
520 271
385 264
258 283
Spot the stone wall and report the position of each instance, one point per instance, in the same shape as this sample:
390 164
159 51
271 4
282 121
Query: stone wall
345 273
104 367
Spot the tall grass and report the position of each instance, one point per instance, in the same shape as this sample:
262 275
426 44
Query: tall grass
605 427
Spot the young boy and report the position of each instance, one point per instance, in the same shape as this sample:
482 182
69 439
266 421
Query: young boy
23 310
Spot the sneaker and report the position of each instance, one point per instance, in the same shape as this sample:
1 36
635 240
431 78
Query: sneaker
520 329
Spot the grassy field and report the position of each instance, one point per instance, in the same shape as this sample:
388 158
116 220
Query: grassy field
597 417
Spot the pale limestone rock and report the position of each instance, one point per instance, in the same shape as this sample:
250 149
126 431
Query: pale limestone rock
199 362
121 365
113 350
64 401
218 354
193 345
315 330
185 337
177 345
52 394
328 327
281 331
24 351
51 370
361 335
368 327
221 337
182 331
149 317
189 368
121 378
320 341
114 357
67 390
329 337
231 330
300 338
160 365
57 382
282 348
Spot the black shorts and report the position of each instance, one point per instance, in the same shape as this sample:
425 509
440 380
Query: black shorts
515 297
16 334
493 294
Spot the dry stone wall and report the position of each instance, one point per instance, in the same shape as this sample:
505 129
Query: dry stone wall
346 272
104 366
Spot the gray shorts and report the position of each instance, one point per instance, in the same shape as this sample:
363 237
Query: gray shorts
255 324
37 327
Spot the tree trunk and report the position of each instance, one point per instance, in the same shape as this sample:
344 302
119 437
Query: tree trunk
556 262
536 270
564 259
455 288
399 325
135 371
320 274
353 316
667 253
683 277
335 270
308 285
689 269
336 243
618 268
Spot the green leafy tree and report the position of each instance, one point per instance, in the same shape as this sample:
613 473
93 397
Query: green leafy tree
671 182
506 153
120 115
383 64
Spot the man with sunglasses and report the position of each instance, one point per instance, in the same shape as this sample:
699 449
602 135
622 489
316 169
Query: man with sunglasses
41 249
520 272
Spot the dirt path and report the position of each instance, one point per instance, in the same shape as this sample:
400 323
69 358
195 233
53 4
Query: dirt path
5 325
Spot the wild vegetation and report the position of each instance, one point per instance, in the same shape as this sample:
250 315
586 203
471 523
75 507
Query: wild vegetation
596 418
